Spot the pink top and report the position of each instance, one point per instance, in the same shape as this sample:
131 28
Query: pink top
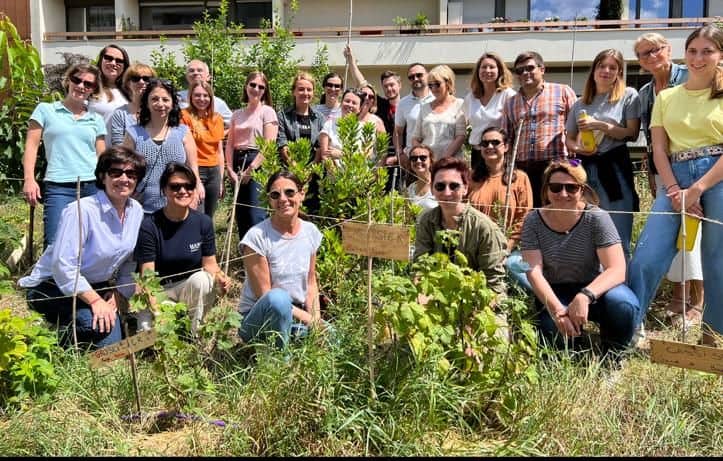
247 126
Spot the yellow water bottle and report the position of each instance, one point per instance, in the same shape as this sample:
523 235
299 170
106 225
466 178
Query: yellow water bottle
691 232
587 138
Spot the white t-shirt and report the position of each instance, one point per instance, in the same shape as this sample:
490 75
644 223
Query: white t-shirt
289 259
480 117
426 201
407 114
105 108
438 130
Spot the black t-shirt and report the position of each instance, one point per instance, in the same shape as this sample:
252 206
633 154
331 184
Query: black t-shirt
386 112
175 247
304 122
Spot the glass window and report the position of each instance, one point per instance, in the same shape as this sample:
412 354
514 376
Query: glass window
101 18
647 9
172 16
541 9
251 14
694 8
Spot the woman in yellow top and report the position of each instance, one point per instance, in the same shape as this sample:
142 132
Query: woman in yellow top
207 130
687 132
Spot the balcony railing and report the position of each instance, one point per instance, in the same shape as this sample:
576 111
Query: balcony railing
485 28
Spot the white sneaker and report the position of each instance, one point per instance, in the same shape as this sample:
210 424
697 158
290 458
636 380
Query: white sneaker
639 336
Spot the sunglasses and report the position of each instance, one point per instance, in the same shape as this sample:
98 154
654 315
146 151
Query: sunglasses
109 58
335 86
490 142
522 69
647 54
418 158
289 193
413 77
177 186
257 85
84 83
118 172
138 78
441 186
556 187
434 85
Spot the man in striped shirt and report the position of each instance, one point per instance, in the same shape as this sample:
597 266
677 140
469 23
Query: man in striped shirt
542 108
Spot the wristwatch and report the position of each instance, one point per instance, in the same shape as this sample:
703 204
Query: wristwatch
589 294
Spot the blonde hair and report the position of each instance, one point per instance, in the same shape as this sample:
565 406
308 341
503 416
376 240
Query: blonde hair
443 72
574 170
301 75
652 38
134 70
504 76
618 89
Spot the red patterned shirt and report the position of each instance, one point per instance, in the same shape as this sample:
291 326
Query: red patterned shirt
543 132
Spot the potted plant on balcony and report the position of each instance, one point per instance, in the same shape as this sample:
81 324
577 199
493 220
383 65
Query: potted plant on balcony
582 22
415 26
552 19
499 20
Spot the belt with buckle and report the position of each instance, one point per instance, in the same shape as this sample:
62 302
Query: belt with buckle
698 152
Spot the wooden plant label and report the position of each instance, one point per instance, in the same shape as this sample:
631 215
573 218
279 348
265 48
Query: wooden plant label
378 240
103 357
689 356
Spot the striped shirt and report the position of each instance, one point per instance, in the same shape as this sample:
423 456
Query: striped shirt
543 132
570 257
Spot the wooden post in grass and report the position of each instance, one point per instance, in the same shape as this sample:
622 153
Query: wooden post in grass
229 230
78 265
31 231
380 240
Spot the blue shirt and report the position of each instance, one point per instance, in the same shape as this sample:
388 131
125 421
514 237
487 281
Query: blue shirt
678 75
69 143
107 246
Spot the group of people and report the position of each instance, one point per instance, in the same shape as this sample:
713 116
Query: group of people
545 170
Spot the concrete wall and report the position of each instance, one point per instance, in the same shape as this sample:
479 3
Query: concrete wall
322 13
715 7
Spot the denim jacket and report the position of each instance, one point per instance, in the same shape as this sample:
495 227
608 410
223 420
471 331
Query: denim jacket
289 127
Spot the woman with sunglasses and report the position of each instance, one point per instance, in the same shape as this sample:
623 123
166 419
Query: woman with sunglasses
73 138
480 240
179 244
420 190
280 260
110 220
206 127
654 55
576 263
113 62
329 105
687 130
490 88
441 124
367 112
161 139
258 118
135 81
613 118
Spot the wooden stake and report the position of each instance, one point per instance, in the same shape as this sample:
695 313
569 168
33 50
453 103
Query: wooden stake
510 169
78 265
134 370
236 188
31 231
370 312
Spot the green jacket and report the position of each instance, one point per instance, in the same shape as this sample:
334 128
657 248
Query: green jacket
481 241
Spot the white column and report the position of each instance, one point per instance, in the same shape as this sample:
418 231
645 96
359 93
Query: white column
278 11
442 12
126 9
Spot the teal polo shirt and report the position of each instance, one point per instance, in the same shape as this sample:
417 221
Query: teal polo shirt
69 143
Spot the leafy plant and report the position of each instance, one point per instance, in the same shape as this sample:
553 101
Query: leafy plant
26 350
163 61
22 87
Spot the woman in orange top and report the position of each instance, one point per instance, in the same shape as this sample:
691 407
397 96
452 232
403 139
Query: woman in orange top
206 126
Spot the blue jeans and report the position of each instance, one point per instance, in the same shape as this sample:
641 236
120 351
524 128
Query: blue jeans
271 315
211 179
616 312
55 198
248 213
623 221
60 312
656 246
517 268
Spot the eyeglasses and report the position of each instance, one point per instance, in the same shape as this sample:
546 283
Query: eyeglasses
418 158
413 77
441 186
433 85
289 193
257 85
333 86
490 142
177 186
138 78
109 58
556 187
80 82
118 172
648 53
522 69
